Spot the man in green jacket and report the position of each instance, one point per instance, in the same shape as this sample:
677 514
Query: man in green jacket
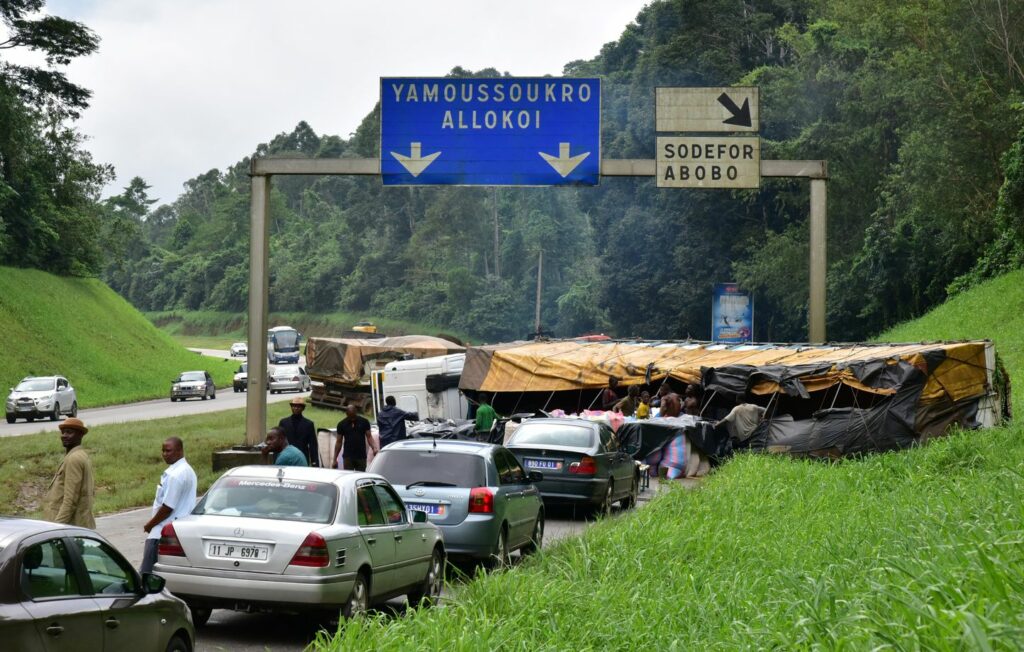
284 453
485 416
69 499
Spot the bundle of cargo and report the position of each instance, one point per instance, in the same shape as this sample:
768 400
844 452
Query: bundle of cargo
340 368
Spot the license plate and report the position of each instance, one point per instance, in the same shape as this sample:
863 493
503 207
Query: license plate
238 551
25 408
551 465
433 510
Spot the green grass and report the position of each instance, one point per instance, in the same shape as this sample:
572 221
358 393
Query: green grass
126 457
918 549
81 329
220 327
994 310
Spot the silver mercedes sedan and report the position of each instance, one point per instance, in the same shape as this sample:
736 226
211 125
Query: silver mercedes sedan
294 539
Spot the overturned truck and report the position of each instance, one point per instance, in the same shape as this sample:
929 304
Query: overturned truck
828 400
340 368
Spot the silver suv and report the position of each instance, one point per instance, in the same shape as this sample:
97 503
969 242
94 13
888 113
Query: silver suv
37 397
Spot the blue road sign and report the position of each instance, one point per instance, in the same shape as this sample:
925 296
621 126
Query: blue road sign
510 131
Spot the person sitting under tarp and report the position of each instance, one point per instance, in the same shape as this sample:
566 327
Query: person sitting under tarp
628 405
691 400
741 421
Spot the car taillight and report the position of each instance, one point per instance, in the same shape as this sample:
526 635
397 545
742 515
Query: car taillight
312 552
169 544
295 378
481 501
586 466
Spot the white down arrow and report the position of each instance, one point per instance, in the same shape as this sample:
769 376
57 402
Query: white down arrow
563 163
415 163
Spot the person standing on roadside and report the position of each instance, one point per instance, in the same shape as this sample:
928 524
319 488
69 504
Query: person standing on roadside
284 453
353 441
301 432
69 499
485 415
175 497
391 422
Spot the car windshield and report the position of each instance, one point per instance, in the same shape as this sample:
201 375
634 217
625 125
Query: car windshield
404 467
546 434
192 376
36 385
286 500
287 371
239 345
243 368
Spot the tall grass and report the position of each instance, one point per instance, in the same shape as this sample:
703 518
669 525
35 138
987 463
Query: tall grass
126 457
81 329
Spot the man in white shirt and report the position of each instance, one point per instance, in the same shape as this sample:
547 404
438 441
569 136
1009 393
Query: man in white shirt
175 497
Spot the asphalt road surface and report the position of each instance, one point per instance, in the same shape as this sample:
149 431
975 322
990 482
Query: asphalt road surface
226 399
242 632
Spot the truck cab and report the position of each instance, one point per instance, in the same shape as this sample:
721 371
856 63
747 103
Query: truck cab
428 386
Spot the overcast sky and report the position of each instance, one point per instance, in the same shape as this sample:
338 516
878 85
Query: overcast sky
183 86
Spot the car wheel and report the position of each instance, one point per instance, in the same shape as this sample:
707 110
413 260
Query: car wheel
205 396
11 418
501 556
55 415
629 502
359 599
537 538
427 594
200 615
214 395
30 419
74 409
604 508
178 644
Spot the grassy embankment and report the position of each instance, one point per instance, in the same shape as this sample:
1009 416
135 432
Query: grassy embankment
917 549
126 457
80 328
206 329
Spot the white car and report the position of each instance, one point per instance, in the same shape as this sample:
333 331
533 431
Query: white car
297 539
41 397
239 349
288 378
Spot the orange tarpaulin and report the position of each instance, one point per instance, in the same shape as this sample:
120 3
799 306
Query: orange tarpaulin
573 364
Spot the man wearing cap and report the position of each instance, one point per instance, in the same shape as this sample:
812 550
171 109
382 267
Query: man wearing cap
175 497
301 432
70 497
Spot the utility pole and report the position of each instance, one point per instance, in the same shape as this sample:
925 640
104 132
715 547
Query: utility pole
540 273
494 214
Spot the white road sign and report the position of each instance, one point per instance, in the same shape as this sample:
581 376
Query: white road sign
716 109
708 162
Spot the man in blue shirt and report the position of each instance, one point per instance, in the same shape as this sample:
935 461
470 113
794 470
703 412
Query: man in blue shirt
391 422
284 453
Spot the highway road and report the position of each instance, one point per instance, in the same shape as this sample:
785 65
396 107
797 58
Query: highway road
226 399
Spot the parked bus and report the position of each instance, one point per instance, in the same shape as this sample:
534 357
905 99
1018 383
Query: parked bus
283 345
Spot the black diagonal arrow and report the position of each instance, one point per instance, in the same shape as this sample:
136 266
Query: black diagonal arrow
740 117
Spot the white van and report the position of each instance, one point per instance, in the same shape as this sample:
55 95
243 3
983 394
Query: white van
428 386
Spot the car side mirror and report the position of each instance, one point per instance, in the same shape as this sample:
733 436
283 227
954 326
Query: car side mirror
418 516
534 476
153 583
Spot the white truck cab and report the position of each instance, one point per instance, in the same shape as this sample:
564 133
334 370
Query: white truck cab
428 386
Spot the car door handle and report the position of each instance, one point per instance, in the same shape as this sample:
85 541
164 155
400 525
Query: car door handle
112 623
54 630
398 537
371 541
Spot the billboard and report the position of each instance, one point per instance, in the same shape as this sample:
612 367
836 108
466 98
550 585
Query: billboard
732 314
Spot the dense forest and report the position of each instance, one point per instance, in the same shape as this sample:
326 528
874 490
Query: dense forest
916 105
